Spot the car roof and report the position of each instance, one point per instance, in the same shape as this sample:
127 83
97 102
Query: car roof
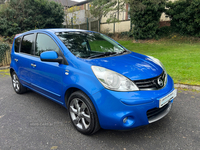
53 30
65 30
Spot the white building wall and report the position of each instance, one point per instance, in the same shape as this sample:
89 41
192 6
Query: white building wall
119 27
78 17
164 17
122 16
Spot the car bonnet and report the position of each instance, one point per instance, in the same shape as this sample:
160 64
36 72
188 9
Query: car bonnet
134 66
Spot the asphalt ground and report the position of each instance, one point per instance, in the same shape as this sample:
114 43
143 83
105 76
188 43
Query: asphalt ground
33 122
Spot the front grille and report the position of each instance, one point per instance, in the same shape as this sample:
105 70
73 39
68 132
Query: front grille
153 83
156 111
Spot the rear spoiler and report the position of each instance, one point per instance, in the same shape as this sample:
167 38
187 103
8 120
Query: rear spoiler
16 35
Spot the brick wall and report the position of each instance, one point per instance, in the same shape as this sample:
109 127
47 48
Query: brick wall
164 23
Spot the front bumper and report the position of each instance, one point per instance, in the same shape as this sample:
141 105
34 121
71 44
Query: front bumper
127 110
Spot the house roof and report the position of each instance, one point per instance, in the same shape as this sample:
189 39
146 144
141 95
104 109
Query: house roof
70 3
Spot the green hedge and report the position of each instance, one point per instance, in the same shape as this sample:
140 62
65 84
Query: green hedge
145 16
185 15
3 48
165 31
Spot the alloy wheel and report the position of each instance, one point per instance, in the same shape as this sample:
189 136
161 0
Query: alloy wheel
15 81
80 114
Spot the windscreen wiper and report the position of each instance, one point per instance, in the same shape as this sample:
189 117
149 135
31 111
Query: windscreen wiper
102 54
124 51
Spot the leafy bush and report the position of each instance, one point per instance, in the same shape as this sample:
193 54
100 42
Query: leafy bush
165 31
3 48
185 16
22 15
126 34
8 39
145 16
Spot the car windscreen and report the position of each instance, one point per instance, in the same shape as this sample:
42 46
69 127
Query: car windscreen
90 44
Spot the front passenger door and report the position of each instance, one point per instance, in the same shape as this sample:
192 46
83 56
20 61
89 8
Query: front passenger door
47 77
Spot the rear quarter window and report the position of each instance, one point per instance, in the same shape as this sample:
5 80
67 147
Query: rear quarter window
17 44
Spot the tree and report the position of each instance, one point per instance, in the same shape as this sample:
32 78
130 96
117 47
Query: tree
22 15
100 8
145 16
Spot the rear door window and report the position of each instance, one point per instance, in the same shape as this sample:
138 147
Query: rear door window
27 44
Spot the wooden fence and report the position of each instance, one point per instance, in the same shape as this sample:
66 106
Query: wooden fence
7 60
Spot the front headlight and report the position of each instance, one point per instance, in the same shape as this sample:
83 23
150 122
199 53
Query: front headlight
113 80
158 62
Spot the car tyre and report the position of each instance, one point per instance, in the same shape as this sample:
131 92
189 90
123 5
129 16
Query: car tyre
82 113
17 86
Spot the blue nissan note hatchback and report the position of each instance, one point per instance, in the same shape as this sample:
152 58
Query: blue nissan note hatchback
102 84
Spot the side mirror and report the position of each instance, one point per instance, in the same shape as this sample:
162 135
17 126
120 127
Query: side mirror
50 56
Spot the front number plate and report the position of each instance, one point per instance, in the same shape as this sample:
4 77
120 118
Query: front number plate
163 101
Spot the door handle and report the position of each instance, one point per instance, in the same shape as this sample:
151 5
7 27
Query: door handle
33 65
16 60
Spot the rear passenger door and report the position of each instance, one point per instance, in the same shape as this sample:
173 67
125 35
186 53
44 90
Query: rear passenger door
15 55
47 77
23 54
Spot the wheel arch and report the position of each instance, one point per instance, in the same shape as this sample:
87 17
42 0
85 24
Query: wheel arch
73 89
11 71
68 92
